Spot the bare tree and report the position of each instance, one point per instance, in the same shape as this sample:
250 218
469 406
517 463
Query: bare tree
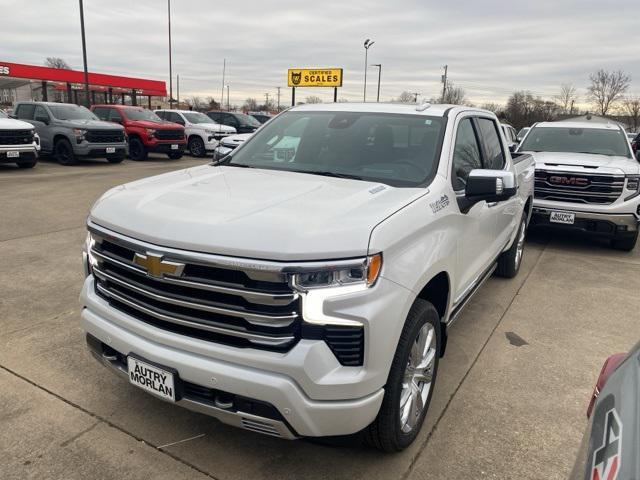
631 107
607 88
454 95
250 105
195 103
57 62
313 99
406 97
566 97
213 103
492 107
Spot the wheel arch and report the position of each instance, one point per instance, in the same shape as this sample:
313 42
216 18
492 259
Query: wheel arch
437 291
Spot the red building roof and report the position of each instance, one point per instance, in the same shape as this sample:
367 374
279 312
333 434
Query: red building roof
142 86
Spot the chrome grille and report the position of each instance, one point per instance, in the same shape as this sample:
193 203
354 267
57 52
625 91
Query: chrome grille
227 302
577 187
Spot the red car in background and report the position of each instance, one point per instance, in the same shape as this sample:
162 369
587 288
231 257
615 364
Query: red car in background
146 132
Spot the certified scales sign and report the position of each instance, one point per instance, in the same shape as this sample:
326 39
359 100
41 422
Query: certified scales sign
314 77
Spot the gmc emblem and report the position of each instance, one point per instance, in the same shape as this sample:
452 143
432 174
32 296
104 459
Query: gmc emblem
572 181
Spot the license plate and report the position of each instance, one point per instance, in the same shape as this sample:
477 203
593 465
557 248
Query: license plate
111 149
151 378
174 147
563 217
13 154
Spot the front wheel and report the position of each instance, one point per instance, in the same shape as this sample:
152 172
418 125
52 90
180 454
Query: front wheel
626 244
509 261
137 150
196 147
410 384
63 152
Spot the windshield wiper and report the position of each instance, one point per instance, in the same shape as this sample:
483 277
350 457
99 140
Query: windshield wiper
327 174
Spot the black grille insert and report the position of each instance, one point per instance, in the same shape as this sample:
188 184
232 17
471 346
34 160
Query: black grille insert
16 137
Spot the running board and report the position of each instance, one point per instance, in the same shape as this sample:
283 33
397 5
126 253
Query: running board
457 310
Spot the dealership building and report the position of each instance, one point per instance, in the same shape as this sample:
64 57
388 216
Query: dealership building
32 82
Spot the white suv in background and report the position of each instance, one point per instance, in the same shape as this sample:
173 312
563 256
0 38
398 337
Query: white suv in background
202 133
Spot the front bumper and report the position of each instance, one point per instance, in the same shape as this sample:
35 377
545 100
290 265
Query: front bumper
99 150
307 386
607 225
26 153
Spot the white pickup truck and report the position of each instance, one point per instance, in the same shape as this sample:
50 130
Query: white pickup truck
19 142
308 294
587 180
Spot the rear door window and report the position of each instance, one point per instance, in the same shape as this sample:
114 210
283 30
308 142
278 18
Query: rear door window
494 156
25 111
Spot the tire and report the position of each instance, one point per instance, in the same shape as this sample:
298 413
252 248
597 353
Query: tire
175 156
27 164
509 261
390 432
115 159
626 244
137 150
196 146
63 152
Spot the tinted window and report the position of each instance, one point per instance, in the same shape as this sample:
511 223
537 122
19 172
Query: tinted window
40 113
228 119
601 141
494 158
399 150
162 115
25 111
215 116
466 154
114 115
175 117
101 112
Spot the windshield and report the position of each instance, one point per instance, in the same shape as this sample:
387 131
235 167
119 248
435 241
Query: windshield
577 140
71 112
142 114
245 119
399 150
197 117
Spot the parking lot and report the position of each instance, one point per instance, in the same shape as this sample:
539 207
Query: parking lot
510 400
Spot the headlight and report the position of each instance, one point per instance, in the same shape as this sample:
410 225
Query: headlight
150 132
633 184
79 133
209 132
363 273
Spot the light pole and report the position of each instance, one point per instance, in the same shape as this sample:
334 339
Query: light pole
379 65
84 56
228 105
367 44
170 63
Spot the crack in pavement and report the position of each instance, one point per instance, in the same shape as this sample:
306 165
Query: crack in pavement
424 444
79 434
41 234
106 422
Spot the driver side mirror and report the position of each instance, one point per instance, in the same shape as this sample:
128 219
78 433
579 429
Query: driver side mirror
489 186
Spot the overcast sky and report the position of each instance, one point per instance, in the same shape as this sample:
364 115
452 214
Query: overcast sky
492 47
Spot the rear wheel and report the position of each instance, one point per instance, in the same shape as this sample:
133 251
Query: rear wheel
411 379
196 146
509 261
625 243
63 152
137 150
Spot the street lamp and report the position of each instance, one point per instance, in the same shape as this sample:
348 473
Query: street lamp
84 57
170 63
379 65
367 44
228 106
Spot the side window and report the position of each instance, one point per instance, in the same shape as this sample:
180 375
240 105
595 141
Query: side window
161 115
230 120
494 156
466 154
215 117
40 114
114 115
176 118
100 112
25 111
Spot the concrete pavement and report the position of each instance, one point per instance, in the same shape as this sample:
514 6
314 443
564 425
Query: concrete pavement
509 402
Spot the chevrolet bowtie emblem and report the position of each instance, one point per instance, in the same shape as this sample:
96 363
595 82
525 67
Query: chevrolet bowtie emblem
156 266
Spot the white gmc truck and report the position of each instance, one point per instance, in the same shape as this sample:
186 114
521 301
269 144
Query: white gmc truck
587 180
308 294
19 142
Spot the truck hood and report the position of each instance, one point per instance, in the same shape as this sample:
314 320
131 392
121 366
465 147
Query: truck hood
91 124
590 161
262 214
216 127
155 125
11 124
